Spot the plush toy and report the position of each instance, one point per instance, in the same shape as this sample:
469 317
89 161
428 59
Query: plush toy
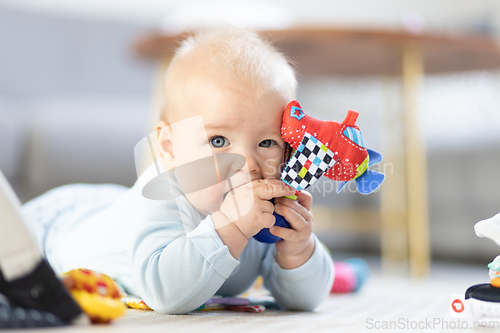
484 299
350 275
265 236
328 148
316 148
96 293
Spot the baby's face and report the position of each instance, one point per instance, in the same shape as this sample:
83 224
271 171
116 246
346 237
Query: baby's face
237 123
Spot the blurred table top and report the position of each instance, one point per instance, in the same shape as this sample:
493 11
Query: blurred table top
348 51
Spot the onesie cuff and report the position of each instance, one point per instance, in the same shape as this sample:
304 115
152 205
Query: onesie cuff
208 242
309 268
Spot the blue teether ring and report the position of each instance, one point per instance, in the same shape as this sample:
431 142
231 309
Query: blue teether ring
265 236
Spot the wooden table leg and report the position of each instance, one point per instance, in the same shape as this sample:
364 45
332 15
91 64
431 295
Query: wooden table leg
416 174
393 201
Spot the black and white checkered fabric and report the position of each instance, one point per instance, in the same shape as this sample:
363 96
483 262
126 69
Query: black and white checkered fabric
311 160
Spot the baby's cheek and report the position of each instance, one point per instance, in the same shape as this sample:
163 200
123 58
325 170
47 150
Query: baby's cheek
209 200
272 167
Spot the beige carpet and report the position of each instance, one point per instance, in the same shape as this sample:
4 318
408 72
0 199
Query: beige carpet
383 299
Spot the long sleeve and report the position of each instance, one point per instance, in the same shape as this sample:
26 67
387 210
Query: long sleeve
178 260
163 251
304 287
177 265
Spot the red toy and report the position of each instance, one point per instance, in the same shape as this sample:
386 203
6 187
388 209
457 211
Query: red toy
327 147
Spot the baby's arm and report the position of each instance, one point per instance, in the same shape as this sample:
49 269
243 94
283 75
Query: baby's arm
302 288
298 270
298 244
177 267
177 264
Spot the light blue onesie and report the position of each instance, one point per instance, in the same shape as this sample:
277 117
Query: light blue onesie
163 251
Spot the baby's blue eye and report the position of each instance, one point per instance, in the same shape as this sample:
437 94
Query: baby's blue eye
268 143
219 141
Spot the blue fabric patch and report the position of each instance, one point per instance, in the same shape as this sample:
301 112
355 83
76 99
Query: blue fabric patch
354 135
312 138
317 160
374 156
369 181
296 112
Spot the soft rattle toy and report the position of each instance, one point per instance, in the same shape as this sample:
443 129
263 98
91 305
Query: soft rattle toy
317 148
328 148
96 293
265 236
484 298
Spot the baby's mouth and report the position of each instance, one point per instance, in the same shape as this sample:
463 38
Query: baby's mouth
233 186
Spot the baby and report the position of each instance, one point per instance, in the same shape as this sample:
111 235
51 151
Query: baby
225 93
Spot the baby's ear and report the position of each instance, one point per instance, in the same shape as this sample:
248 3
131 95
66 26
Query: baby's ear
165 144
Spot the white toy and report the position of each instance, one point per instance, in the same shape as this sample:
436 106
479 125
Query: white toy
484 298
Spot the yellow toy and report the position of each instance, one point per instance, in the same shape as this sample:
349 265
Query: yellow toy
135 303
96 293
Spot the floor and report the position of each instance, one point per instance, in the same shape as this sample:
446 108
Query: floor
382 300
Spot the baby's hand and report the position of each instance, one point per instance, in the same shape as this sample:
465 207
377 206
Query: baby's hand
297 245
249 207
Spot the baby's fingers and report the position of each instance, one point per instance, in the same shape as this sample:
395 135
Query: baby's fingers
305 199
297 221
285 233
294 205
272 188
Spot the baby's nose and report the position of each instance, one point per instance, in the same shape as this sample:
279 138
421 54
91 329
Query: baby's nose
251 165
228 164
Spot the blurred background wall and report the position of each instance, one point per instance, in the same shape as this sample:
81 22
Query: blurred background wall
74 101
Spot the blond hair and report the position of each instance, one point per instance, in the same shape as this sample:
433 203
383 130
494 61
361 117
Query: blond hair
229 57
